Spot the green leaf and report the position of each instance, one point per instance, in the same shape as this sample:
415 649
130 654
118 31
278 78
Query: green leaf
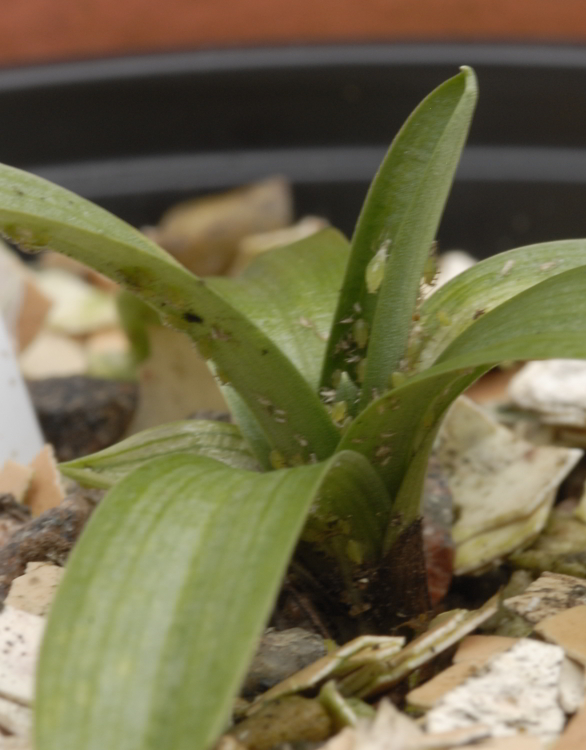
151 633
547 320
36 214
290 293
455 306
400 217
199 437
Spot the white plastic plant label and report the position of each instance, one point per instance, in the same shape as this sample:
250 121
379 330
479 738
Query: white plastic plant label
20 435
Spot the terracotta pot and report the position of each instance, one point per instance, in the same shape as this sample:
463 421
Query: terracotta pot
36 30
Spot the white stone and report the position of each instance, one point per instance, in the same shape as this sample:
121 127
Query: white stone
20 639
516 692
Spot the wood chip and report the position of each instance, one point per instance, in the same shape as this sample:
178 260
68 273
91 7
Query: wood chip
15 479
20 639
549 594
46 490
427 695
568 630
35 590
480 648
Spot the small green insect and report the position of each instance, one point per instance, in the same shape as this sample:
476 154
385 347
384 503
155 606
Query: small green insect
375 270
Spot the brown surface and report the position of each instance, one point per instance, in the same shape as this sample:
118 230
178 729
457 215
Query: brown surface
36 30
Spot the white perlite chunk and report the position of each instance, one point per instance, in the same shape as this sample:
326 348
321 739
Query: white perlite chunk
20 639
555 388
517 691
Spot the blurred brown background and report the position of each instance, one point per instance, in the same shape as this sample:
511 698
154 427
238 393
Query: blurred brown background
41 30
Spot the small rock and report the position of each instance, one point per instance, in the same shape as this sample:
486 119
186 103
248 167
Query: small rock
46 490
550 594
279 655
34 591
81 415
516 692
20 639
15 479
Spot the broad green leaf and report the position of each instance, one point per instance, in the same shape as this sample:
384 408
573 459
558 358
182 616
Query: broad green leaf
455 306
290 293
36 214
199 437
151 633
547 320
399 219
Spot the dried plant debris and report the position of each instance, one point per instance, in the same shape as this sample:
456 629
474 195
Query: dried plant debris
560 548
280 654
549 595
555 389
370 665
289 719
502 486
392 729
516 692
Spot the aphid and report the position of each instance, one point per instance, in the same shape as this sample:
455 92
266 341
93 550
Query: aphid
264 401
301 440
382 450
277 459
312 458
375 270
397 379
339 411
328 394
478 314
507 267
280 412
360 333
355 551
443 318
387 435
336 378
347 320
361 370
357 307
352 359
430 268
380 409
548 266
305 322
219 335
280 420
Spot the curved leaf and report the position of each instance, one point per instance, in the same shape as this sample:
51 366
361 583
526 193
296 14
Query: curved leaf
290 293
199 437
401 213
151 633
36 214
546 320
456 305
